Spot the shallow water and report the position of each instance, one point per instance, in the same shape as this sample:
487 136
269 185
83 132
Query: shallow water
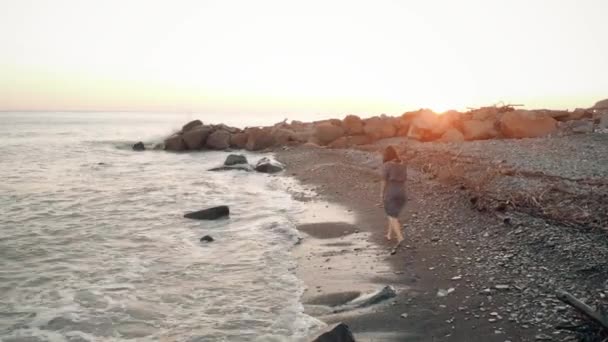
93 245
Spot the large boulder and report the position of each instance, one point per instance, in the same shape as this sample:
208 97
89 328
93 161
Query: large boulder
377 128
190 125
139 146
335 333
196 137
283 136
353 125
239 140
325 133
602 123
229 129
175 143
218 140
259 139
425 126
268 165
479 130
349 141
234 159
601 105
209 214
527 124
452 135
485 113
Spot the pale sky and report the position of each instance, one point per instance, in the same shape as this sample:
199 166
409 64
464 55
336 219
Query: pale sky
309 56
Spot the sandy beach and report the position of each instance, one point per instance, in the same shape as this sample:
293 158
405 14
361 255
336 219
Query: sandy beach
499 267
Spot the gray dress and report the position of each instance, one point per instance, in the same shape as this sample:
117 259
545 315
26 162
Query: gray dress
395 175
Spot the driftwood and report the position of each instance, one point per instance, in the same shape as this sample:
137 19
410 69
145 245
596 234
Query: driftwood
583 308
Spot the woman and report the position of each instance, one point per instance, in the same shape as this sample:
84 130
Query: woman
394 174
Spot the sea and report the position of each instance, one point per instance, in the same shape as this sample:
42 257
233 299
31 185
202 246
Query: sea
94 245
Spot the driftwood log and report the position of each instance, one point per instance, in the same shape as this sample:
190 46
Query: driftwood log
583 308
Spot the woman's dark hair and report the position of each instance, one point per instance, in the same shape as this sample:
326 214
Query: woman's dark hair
390 154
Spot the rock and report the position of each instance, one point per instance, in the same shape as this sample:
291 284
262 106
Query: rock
526 124
485 113
239 140
353 125
602 125
139 146
325 133
428 126
349 141
209 214
207 238
404 315
234 159
259 139
196 137
478 130
336 333
229 129
366 300
601 104
452 135
379 128
502 287
159 146
218 140
283 136
190 125
267 165
444 293
577 127
543 337
175 143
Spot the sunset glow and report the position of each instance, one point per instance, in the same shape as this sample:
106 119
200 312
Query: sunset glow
300 57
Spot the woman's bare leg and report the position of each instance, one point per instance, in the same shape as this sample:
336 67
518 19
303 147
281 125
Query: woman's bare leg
396 227
389 230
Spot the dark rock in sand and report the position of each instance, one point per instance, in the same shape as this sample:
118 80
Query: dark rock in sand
207 238
139 146
267 165
336 333
218 140
209 214
234 159
190 125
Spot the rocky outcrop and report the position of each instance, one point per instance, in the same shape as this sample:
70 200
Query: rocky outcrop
350 141
353 125
527 124
335 333
235 159
209 214
479 130
259 139
218 140
325 133
283 136
377 128
190 125
196 137
239 140
175 143
267 165
601 105
139 146
452 135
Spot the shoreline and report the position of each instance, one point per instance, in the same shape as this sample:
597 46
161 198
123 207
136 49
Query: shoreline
502 281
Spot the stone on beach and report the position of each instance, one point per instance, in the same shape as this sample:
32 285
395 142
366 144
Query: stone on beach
267 165
234 159
479 130
452 135
175 143
325 133
259 139
353 125
196 137
527 124
207 238
190 125
339 332
218 140
209 214
139 146
239 140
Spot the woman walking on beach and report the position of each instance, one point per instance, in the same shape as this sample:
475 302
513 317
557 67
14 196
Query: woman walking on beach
394 175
